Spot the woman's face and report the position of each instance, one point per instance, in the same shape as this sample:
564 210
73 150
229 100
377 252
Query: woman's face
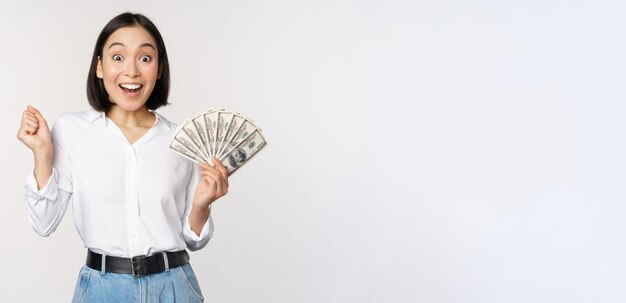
129 67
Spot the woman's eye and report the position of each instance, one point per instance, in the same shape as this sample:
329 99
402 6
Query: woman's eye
117 57
145 59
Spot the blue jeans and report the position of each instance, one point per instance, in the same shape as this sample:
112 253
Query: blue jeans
176 285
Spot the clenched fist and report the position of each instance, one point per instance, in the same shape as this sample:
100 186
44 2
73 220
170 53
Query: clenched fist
35 134
34 131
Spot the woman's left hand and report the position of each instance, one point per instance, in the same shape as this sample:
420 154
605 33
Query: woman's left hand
213 184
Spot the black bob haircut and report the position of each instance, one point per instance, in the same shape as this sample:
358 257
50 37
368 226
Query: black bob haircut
96 93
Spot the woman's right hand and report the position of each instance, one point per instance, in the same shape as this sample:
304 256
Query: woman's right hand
34 131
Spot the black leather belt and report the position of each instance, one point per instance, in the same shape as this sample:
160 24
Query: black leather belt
139 266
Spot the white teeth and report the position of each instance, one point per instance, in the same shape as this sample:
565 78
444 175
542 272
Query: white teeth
130 86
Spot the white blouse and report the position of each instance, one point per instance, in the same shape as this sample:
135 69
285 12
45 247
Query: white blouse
127 199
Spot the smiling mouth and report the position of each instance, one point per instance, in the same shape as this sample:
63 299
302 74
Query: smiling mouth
130 89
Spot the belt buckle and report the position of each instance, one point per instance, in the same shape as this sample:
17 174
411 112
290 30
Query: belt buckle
138 265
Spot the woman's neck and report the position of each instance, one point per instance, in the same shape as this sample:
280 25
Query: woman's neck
141 117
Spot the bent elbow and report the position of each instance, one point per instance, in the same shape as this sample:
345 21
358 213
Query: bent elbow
198 245
44 231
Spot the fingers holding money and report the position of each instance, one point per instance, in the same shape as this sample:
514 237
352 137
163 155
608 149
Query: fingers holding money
220 181
221 168
216 184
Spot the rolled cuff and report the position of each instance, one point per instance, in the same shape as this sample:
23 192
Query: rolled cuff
48 192
194 241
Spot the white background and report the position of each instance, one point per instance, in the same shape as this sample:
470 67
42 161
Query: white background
419 151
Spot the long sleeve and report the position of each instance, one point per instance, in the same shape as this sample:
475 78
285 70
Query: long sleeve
194 241
46 207
128 199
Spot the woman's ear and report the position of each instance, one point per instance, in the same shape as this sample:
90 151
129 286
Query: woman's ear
160 71
99 68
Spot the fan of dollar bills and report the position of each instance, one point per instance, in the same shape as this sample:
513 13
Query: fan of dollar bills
228 136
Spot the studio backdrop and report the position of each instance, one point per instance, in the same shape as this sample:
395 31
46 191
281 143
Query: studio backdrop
418 151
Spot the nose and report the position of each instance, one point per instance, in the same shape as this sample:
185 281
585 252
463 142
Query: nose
131 69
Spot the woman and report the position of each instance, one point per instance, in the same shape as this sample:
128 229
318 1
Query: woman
136 205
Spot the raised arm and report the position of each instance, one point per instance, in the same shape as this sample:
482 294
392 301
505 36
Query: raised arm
48 188
35 134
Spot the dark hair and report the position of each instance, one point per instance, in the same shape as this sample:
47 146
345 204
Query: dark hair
96 93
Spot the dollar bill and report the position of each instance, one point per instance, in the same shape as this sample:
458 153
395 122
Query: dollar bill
241 154
210 119
241 134
180 149
227 135
182 139
189 130
223 121
200 127
234 126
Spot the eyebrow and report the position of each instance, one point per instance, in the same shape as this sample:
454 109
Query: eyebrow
140 46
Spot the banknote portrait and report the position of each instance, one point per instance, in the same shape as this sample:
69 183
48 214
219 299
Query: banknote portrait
237 157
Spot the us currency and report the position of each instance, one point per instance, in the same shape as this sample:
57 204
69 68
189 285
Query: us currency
210 120
186 142
189 129
241 134
234 126
230 137
223 121
241 154
200 127
180 149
